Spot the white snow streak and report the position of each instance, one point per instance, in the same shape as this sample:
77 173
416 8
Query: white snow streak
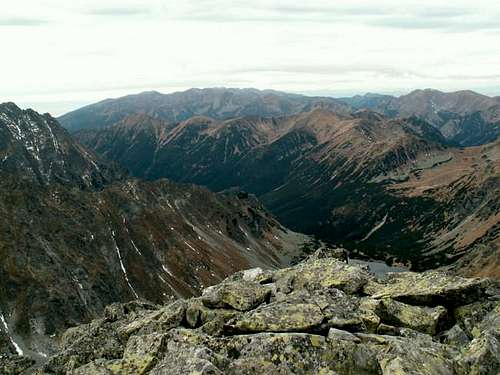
118 252
135 247
191 247
167 270
6 328
376 228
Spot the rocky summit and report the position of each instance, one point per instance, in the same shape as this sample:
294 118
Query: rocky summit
321 316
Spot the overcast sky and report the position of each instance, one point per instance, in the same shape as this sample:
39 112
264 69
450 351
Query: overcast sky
57 55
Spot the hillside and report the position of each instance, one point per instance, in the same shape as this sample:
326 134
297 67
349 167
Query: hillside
358 180
463 117
77 234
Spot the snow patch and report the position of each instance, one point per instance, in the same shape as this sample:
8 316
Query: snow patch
376 228
118 252
191 247
167 270
19 351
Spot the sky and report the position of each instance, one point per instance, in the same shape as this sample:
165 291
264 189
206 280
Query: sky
58 55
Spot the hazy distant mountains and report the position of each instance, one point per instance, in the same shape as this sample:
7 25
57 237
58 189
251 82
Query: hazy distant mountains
464 117
217 103
77 234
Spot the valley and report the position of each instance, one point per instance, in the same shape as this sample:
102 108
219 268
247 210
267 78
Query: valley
393 189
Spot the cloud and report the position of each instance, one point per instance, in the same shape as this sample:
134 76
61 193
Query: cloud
19 21
332 69
118 12
386 15
462 23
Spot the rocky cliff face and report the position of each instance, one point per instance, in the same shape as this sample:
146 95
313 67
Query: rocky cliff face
386 188
321 316
76 235
37 149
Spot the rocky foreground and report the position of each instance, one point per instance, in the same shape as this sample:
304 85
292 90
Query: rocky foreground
321 316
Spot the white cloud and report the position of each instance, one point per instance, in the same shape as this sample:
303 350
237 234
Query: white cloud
57 55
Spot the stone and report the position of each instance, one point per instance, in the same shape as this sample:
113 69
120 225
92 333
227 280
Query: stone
469 316
14 365
455 336
324 273
241 296
409 356
431 288
423 319
278 317
160 320
313 318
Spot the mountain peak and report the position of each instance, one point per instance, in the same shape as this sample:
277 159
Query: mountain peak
36 147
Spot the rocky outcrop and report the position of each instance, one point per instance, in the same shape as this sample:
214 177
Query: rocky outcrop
321 316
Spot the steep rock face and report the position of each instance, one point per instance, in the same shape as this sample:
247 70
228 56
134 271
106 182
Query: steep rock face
74 238
304 328
386 188
219 103
463 117
36 148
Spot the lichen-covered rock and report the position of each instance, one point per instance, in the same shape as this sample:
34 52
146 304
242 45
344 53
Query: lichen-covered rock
469 316
278 317
14 365
423 319
160 320
242 295
313 318
324 273
299 353
482 355
85 344
197 314
455 336
257 275
401 355
431 288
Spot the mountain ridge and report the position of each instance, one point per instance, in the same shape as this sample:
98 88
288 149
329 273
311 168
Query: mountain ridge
331 175
70 245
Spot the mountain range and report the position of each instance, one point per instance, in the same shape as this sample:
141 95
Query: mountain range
78 233
463 117
218 103
104 209
389 188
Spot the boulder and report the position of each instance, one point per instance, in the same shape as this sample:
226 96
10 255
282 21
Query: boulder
431 288
482 355
278 317
468 317
14 365
323 273
423 319
157 321
319 317
409 356
242 295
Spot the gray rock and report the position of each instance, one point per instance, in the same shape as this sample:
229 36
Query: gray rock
309 319
242 295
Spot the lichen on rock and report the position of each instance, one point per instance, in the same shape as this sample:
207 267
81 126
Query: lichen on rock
321 316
